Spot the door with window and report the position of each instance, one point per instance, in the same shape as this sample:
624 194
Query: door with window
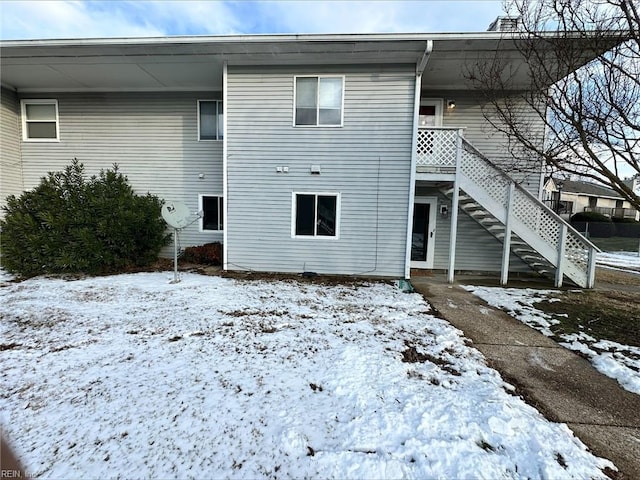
429 116
423 233
430 113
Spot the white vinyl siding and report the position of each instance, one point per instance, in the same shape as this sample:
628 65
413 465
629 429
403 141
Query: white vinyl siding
40 120
10 159
315 215
493 144
476 249
368 162
318 101
153 137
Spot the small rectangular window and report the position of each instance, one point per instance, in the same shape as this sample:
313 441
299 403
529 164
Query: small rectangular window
315 215
40 120
210 120
212 212
318 101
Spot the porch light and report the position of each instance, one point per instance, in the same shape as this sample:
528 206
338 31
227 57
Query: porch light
451 103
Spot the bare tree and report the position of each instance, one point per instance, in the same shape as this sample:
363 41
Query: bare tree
582 70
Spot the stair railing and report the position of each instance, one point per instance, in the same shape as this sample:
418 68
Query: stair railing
574 254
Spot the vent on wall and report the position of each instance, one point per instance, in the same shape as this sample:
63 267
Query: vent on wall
505 24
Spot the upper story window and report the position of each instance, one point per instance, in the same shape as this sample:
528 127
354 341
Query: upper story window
210 122
40 120
319 101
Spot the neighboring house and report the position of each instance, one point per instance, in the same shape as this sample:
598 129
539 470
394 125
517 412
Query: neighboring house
337 154
568 197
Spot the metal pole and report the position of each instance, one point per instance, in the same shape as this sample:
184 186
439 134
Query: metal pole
175 255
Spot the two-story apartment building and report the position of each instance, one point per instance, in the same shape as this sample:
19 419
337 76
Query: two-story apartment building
336 154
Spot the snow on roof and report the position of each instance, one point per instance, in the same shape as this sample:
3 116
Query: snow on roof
587 188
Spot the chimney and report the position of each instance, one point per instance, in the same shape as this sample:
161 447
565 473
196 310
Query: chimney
505 24
633 183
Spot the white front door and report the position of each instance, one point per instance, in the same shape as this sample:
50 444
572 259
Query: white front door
430 114
424 232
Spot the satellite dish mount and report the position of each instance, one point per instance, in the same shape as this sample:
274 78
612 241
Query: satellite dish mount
177 216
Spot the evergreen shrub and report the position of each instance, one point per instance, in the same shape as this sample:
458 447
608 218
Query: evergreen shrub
599 225
71 224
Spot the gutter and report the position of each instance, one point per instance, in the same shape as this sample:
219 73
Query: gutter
263 38
420 66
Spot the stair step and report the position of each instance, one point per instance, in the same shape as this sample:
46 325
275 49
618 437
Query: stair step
478 212
524 251
533 259
488 225
534 264
486 219
471 206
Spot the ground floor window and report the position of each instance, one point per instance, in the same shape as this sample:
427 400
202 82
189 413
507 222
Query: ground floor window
212 212
315 214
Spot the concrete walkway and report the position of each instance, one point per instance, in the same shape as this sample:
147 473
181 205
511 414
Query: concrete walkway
560 384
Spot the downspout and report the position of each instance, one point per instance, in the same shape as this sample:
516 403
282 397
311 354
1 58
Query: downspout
545 137
225 187
420 66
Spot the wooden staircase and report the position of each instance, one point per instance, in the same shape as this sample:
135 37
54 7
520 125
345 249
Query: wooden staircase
525 226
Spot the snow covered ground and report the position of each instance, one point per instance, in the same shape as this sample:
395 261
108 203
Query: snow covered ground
627 261
621 362
130 376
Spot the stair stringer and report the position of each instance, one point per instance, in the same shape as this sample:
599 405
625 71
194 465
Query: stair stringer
517 243
528 235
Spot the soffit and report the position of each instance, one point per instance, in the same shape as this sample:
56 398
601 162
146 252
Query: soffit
197 62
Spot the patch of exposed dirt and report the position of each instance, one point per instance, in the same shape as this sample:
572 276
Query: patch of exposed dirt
331 280
607 279
412 355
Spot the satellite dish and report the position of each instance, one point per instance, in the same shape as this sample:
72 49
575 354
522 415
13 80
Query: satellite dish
176 214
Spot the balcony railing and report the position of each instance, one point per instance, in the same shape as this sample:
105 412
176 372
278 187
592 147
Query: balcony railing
442 150
437 148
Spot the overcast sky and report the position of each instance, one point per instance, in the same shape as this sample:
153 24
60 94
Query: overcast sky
120 18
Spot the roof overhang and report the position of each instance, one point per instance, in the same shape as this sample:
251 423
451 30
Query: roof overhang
196 63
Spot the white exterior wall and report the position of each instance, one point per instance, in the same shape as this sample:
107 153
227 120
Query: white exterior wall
493 144
10 163
151 136
367 161
476 249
